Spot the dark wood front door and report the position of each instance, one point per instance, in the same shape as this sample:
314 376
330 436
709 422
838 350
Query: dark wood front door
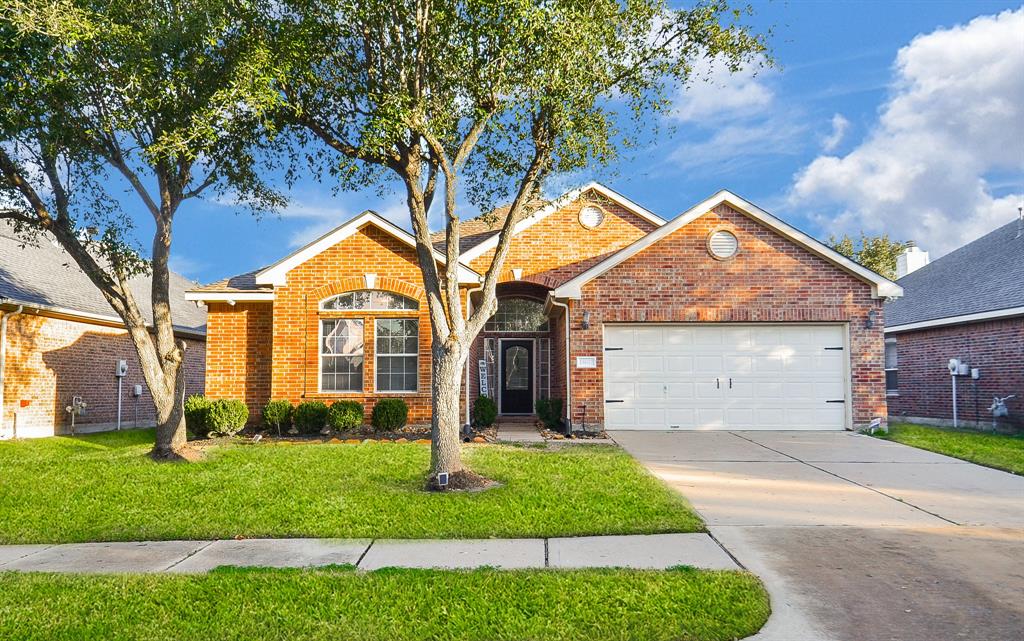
516 377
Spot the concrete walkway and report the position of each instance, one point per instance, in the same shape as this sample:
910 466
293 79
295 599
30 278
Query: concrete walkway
856 538
655 551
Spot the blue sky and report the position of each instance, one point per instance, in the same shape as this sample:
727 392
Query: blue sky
899 117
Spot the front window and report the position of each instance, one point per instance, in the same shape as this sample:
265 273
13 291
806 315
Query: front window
518 315
397 346
891 369
341 355
368 300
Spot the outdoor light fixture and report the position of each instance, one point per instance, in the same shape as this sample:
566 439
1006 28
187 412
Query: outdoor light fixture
870 324
586 320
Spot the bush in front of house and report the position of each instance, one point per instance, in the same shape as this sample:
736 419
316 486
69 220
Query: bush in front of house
309 417
226 417
389 414
196 407
485 412
345 415
549 411
277 415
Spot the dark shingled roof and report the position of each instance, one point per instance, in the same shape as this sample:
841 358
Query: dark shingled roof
474 231
241 283
982 276
40 273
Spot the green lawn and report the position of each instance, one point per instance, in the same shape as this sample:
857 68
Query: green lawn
994 450
104 488
387 605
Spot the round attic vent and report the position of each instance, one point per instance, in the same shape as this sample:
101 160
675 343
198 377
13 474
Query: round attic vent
591 216
723 244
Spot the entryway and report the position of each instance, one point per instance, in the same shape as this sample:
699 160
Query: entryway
515 376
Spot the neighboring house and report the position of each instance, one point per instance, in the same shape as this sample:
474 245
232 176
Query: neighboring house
722 318
59 340
967 305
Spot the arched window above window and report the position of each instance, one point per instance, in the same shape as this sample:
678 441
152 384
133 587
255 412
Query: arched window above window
518 315
374 300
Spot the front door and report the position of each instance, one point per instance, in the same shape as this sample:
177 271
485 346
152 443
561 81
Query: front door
516 377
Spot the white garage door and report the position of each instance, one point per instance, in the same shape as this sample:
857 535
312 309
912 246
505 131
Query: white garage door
712 377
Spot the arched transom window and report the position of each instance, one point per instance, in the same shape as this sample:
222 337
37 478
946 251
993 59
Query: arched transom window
518 315
374 300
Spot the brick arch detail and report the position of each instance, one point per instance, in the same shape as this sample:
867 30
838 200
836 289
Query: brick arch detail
354 283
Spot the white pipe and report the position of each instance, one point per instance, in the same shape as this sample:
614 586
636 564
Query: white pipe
568 372
954 401
120 379
3 359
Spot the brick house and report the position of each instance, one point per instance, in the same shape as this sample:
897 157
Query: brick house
59 339
967 305
723 318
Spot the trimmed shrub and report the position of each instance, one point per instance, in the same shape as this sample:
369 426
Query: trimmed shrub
226 417
389 414
277 415
549 411
345 415
196 407
485 412
310 417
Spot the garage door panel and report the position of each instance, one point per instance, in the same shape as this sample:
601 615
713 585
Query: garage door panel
677 376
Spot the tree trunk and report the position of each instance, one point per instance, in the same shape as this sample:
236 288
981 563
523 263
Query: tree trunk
446 422
170 412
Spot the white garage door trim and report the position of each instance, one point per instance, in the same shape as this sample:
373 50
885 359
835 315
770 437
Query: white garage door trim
631 402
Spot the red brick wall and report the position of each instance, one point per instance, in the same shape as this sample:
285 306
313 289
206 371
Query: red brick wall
238 357
558 247
925 389
51 360
341 268
770 280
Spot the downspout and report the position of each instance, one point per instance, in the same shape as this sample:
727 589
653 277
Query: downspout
469 309
3 361
568 372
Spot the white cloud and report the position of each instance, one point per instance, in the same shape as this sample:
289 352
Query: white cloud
185 266
840 125
716 94
954 116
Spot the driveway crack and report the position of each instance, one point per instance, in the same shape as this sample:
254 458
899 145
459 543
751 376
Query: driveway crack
839 476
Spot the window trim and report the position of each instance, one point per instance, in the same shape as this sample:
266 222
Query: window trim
547 321
323 301
320 357
377 355
895 391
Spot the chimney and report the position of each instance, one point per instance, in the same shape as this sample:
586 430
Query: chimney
911 260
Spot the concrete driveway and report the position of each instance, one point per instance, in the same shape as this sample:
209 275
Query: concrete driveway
857 539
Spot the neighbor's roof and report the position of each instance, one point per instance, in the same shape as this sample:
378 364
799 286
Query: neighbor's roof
982 277
40 274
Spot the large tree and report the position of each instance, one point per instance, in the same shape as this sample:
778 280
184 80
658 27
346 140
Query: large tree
114 113
877 253
482 101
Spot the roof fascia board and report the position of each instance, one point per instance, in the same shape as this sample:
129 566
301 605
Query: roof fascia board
957 320
880 286
490 243
277 274
201 296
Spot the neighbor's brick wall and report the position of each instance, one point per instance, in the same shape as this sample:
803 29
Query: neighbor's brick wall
770 280
238 355
558 247
925 389
51 360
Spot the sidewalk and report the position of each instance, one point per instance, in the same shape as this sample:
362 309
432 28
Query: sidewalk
654 551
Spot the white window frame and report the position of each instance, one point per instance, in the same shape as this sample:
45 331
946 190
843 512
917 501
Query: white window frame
416 303
377 355
896 391
321 355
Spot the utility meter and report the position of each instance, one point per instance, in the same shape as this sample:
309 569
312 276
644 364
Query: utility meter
122 369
